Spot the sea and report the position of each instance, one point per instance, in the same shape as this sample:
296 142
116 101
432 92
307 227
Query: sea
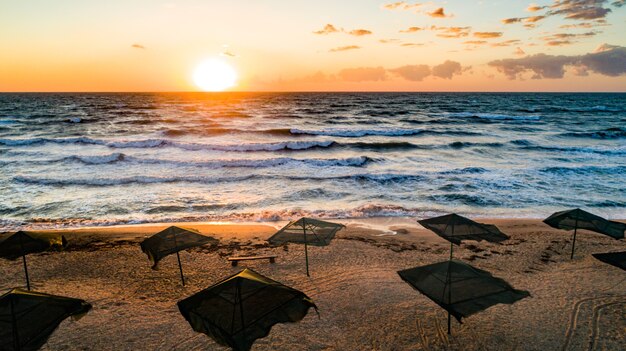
76 159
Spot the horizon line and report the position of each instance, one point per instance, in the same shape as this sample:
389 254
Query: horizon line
314 91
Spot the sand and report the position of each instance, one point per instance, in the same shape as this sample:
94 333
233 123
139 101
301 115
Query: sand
576 304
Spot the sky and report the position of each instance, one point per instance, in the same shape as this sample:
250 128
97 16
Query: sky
349 45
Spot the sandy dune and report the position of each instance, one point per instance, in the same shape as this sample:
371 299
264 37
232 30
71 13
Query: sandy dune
575 305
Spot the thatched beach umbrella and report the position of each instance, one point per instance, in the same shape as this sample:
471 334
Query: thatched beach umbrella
617 259
459 288
455 229
579 219
20 244
242 308
307 231
28 318
172 240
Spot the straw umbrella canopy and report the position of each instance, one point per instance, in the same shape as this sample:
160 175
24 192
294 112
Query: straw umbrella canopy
617 259
242 308
579 219
172 240
307 231
455 229
20 244
460 288
28 318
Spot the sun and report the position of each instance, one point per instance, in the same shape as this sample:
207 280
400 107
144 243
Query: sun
215 75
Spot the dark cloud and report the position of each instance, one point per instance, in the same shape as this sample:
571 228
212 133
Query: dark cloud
609 61
487 35
411 30
579 9
619 3
329 28
362 74
438 13
560 39
345 48
359 32
447 69
137 46
415 73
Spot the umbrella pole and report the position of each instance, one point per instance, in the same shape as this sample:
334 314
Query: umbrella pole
449 324
26 272
451 251
180 267
306 248
24 260
574 241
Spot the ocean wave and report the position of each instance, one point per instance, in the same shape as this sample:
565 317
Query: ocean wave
462 144
609 133
494 116
355 133
466 199
582 170
96 182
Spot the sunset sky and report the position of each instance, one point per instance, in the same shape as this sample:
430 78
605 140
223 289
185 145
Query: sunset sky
455 45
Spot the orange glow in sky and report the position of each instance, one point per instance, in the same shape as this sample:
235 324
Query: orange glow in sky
272 45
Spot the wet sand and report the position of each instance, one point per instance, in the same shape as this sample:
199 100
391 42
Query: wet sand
576 304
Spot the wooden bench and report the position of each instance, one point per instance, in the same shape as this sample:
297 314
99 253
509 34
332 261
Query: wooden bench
235 260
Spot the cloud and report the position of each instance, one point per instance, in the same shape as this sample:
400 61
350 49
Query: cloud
518 51
387 41
447 69
475 42
362 74
359 32
533 19
534 8
487 35
411 30
506 43
228 53
329 28
560 39
579 9
605 47
401 5
344 48
137 46
411 44
512 20
611 61
438 13
619 3
415 73
452 32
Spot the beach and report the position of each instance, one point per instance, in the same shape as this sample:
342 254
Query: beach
577 304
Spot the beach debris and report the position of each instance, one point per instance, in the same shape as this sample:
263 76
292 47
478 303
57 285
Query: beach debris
242 308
